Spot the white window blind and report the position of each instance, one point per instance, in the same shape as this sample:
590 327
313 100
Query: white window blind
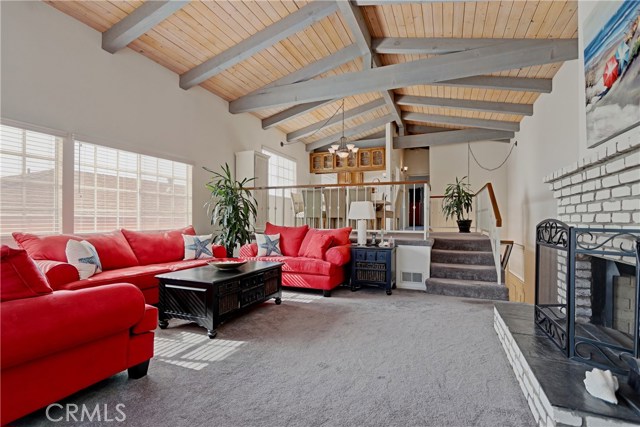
282 172
120 189
31 181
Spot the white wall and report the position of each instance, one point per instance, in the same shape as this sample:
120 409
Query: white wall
55 74
447 162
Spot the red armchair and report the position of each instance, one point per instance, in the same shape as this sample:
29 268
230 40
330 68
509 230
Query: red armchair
56 343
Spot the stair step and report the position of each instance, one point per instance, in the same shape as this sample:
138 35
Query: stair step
447 256
478 273
463 243
467 289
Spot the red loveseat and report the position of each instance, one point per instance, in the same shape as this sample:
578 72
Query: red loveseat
325 272
134 257
56 343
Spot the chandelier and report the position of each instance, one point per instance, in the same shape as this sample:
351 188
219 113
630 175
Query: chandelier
341 148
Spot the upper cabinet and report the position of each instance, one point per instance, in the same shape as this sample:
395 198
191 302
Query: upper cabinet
366 159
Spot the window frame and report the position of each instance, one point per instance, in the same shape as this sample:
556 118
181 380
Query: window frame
280 179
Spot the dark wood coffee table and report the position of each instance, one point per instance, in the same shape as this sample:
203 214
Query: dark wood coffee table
208 296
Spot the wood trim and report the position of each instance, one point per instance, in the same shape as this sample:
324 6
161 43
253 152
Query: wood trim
494 202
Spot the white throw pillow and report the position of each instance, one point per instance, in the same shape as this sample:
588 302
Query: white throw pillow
198 247
268 244
83 256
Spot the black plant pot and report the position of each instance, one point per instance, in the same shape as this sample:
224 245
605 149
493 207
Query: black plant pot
464 225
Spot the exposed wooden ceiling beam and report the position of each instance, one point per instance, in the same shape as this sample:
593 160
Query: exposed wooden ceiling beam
358 25
287 26
518 84
349 114
419 129
431 45
462 121
292 113
331 139
138 22
466 104
450 137
485 60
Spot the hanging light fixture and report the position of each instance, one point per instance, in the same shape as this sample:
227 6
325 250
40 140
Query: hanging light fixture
341 148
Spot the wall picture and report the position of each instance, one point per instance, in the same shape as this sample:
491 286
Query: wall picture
611 35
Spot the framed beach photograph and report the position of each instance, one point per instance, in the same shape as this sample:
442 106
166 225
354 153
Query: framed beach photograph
611 35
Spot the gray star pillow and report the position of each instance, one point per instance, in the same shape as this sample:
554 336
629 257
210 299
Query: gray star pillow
268 244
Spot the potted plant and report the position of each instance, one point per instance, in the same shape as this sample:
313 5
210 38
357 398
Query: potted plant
232 209
458 202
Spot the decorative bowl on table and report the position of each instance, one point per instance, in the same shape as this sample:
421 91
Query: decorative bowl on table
227 263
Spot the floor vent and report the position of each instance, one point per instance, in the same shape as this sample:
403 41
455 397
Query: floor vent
411 277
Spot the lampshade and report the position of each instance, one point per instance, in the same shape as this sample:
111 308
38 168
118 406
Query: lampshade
335 146
362 210
351 146
343 154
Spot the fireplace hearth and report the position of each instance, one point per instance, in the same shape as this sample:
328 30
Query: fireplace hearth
587 292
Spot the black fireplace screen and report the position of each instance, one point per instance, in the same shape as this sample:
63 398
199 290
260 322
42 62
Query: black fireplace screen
588 292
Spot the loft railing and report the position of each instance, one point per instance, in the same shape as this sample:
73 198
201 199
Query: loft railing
486 220
400 206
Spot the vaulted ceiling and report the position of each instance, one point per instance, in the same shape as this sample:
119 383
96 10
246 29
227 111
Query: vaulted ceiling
445 71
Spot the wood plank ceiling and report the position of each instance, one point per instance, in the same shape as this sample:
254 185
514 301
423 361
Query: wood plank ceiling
201 30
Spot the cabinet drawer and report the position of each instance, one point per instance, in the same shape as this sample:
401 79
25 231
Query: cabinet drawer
361 255
381 256
371 256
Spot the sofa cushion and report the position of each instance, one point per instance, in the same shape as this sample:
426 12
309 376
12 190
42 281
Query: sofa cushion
20 278
338 255
268 245
57 273
318 246
84 257
340 237
113 249
290 237
302 265
198 247
151 247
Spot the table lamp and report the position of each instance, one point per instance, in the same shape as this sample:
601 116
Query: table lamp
362 212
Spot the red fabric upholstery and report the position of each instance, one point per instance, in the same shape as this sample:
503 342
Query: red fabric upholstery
302 265
57 273
19 276
151 247
290 237
59 343
249 250
313 281
340 237
149 320
339 255
318 246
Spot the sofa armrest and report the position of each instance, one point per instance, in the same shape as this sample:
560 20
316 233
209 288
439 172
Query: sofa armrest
57 273
249 250
149 321
338 255
219 251
35 327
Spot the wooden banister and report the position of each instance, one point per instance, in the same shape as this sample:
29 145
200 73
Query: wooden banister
494 202
363 184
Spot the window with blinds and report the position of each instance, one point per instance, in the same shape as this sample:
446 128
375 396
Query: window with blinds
282 172
30 181
120 189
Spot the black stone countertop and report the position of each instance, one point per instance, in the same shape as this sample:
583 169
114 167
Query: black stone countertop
560 378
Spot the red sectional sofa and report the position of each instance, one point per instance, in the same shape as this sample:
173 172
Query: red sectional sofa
134 257
325 273
55 343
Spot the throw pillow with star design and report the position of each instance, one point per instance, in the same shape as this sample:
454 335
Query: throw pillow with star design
83 256
198 247
268 244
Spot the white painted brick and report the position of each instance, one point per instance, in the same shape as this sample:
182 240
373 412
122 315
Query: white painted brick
611 206
576 218
610 181
631 176
631 205
566 417
589 186
555 185
635 189
594 207
615 166
621 192
598 185
577 178
593 173
564 218
575 200
557 194
636 217
588 218
566 182
603 194
603 218
606 422
540 409
576 189
632 159
565 192
621 217
581 208
588 197
564 202
534 411
569 210
561 209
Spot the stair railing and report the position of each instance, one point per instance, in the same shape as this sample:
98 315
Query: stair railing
489 221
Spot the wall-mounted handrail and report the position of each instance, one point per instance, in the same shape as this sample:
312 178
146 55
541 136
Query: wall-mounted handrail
494 202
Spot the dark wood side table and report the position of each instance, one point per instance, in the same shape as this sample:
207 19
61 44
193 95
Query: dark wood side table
373 265
208 296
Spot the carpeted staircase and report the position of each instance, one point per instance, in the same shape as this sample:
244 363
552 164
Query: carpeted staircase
462 265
